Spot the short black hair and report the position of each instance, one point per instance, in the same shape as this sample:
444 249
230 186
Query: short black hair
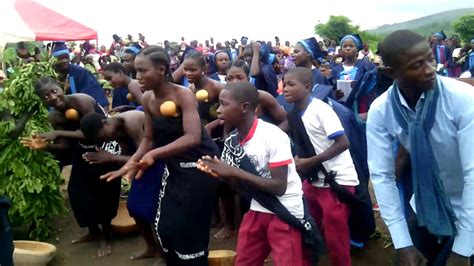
42 82
91 124
396 44
115 67
244 92
198 57
302 74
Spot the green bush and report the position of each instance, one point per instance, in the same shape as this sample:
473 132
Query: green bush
31 179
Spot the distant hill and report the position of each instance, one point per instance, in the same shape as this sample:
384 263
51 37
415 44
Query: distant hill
427 25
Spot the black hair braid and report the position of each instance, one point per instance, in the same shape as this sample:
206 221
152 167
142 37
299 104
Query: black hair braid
198 57
159 57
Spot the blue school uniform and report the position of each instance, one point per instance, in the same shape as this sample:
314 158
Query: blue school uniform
267 80
119 97
371 86
360 68
318 77
82 81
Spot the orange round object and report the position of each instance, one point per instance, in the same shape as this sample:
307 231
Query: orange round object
129 97
168 108
202 95
72 114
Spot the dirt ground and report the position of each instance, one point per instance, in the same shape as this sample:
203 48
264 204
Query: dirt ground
377 252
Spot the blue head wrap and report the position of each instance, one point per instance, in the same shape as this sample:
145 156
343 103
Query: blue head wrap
134 50
440 35
312 47
60 48
354 37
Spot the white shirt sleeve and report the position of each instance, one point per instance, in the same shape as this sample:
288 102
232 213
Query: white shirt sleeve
328 119
381 163
464 116
279 149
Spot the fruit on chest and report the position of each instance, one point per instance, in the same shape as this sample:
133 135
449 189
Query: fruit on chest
72 114
168 109
202 95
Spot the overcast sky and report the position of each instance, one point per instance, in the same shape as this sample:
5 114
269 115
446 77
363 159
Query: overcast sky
201 19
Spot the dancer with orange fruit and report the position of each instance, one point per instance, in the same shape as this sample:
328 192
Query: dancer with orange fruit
173 133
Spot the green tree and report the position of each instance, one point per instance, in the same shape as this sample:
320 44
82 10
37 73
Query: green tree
338 26
335 28
465 27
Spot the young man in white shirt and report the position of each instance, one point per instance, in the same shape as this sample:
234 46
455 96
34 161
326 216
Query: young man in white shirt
432 117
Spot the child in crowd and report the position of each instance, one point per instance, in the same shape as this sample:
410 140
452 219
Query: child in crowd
351 68
219 65
261 67
323 159
304 53
258 156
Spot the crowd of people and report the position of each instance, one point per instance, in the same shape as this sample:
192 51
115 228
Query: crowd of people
296 131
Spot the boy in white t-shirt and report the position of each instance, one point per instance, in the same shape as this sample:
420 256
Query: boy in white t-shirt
330 150
269 152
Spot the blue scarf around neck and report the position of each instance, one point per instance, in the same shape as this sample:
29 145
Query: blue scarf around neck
433 208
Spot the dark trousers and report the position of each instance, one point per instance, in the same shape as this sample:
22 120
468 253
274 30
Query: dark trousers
6 237
436 250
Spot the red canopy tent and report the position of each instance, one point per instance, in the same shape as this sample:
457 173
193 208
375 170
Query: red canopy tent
28 20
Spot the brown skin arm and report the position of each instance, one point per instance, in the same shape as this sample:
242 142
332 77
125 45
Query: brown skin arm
271 107
178 73
134 122
209 127
255 66
57 121
148 138
275 185
191 127
20 124
409 256
135 91
305 165
81 102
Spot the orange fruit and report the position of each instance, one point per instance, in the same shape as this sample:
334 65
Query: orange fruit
202 95
72 114
129 97
168 108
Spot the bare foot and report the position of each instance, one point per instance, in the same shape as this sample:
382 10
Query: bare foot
150 252
105 249
225 233
86 238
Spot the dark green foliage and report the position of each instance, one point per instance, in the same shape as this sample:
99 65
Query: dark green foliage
465 27
29 178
